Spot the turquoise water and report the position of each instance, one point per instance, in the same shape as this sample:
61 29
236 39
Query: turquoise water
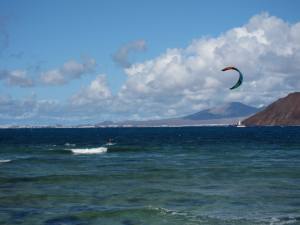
204 175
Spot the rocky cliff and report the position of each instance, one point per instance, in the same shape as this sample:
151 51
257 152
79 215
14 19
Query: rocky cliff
283 112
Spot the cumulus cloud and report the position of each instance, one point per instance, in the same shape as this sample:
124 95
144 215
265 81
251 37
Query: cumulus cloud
266 49
31 110
121 57
84 106
70 70
16 78
16 109
96 92
185 80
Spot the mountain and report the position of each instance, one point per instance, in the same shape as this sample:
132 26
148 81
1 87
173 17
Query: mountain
285 111
230 110
226 114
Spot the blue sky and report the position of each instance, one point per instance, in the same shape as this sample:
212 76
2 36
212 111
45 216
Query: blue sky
40 38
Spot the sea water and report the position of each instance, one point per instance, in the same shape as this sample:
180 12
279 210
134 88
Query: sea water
185 175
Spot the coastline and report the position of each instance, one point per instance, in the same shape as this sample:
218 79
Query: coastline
137 126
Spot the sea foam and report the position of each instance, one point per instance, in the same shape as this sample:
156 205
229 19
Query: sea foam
70 145
4 160
89 150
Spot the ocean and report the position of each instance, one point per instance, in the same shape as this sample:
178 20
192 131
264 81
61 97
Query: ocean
184 175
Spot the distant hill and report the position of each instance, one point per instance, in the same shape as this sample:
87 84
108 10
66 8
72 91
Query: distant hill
285 111
230 110
226 114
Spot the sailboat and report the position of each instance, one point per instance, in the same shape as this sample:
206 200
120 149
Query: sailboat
240 124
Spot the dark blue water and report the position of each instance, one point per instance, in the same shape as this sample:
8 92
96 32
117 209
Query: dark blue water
204 175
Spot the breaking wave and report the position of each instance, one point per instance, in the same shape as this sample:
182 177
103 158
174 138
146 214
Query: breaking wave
4 160
284 220
79 151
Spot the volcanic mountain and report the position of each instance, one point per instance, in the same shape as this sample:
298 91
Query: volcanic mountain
229 110
283 112
229 113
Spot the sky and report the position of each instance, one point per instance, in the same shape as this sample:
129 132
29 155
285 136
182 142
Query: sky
74 62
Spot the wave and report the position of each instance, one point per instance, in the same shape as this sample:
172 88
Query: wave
284 220
70 144
78 151
5 160
154 214
165 211
110 144
119 148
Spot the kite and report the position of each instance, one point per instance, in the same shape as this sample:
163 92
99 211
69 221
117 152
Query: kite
240 81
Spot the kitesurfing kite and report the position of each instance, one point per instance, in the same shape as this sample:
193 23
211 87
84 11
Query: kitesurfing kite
240 81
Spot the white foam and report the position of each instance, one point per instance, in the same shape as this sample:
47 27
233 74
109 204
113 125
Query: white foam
167 211
4 160
70 145
99 150
110 144
282 221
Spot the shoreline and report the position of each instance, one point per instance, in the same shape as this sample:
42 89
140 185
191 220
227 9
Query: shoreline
134 126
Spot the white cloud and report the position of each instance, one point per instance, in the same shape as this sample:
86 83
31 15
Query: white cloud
266 49
31 110
16 109
95 93
121 57
70 70
185 80
16 78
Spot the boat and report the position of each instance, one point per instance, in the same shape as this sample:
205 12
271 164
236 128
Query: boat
239 124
